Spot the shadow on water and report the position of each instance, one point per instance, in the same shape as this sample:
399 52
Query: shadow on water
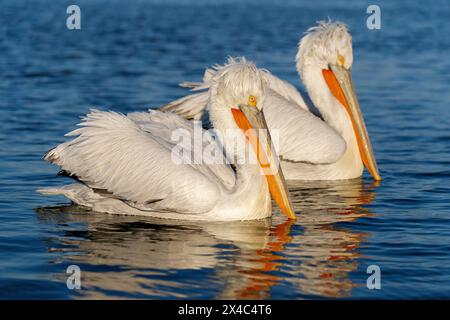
123 256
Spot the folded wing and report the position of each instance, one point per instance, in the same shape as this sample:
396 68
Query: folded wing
302 136
132 158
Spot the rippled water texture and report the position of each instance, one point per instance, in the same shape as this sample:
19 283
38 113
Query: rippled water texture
130 56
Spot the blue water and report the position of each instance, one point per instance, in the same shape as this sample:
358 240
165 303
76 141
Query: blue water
130 56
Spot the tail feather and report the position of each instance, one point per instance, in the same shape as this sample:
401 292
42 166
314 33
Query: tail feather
191 107
76 192
194 86
49 191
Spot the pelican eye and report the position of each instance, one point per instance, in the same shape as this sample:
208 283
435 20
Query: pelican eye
252 101
341 60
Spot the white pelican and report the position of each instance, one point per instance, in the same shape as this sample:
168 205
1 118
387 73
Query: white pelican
126 164
335 146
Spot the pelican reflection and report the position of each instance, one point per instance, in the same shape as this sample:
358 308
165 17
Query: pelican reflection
130 257
328 251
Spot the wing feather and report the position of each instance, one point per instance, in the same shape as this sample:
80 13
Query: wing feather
112 152
191 107
286 90
165 123
303 137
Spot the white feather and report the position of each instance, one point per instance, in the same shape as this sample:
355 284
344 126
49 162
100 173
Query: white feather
126 163
311 148
112 152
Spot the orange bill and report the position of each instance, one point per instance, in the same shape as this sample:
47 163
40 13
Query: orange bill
340 84
251 121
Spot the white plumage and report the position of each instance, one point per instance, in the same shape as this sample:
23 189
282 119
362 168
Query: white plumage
126 165
312 147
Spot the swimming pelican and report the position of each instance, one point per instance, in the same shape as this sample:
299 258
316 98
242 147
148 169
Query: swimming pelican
126 163
331 147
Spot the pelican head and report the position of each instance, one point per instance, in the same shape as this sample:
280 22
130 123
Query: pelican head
327 43
238 83
236 101
324 61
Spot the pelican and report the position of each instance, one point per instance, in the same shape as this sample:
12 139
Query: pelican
332 146
126 164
